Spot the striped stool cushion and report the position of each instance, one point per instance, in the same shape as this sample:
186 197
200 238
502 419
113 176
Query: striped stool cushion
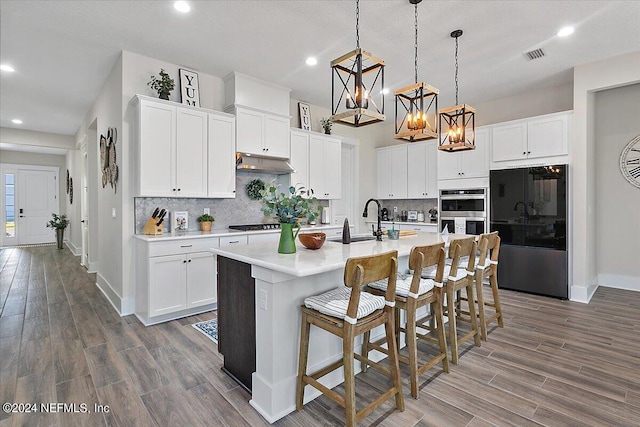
403 285
336 301
430 273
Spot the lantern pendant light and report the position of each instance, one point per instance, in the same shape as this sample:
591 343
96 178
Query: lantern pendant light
416 105
357 81
457 123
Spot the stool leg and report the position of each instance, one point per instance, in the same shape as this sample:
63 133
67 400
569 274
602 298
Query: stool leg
412 346
365 350
451 313
472 312
496 296
349 377
483 321
439 318
396 314
393 357
302 361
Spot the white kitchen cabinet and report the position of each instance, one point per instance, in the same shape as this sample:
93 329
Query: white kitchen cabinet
466 164
235 240
174 278
422 174
324 166
392 172
222 156
191 153
177 156
262 133
300 158
533 138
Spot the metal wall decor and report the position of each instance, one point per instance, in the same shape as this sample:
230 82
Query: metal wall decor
67 181
457 123
71 191
357 81
108 158
416 111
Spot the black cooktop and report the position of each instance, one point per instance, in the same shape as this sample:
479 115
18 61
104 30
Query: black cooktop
251 227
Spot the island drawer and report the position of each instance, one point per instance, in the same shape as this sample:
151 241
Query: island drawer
233 240
182 246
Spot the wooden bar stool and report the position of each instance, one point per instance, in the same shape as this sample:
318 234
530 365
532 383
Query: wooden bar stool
487 268
456 279
413 292
347 312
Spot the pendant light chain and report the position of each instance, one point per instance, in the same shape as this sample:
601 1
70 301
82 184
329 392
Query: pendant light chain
358 24
416 44
456 70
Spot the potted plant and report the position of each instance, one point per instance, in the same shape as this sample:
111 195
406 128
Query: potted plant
289 208
326 125
163 85
205 221
59 223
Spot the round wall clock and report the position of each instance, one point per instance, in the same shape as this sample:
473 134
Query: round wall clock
630 162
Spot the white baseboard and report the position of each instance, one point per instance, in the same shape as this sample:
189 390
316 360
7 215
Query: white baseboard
92 267
584 293
113 297
76 251
619 282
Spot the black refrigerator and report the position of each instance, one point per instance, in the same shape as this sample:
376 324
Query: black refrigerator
529 211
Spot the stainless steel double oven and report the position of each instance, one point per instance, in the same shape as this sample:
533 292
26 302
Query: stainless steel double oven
464 211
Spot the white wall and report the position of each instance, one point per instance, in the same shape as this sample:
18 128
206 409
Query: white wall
617 113
38 139
588 79
106 112
74 166
528 104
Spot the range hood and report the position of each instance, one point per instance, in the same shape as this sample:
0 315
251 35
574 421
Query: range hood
252 163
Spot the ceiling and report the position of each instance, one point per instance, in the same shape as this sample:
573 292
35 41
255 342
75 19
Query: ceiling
63 51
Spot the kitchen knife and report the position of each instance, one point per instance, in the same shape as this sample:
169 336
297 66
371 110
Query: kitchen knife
155 213
161 217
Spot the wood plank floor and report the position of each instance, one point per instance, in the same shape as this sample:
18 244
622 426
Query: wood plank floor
555 363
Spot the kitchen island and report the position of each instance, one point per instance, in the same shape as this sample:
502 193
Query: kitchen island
279 283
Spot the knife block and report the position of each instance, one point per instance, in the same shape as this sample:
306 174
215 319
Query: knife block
151 228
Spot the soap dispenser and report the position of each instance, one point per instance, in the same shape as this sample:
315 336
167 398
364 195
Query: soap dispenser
346 234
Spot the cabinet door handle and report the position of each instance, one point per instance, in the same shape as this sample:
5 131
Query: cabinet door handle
528 152
178 189
235 241
189 260
185 246
524 152
184 262
173 189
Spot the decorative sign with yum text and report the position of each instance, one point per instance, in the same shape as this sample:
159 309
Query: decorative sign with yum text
305 116
189 88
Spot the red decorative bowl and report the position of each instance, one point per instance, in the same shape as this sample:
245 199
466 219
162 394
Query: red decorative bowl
312 240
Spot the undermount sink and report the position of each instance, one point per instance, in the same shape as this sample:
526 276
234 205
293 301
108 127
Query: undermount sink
354 239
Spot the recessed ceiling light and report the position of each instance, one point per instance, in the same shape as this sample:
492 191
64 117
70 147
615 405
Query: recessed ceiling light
16 121
311 61
564 32
182 6
385 91
7 68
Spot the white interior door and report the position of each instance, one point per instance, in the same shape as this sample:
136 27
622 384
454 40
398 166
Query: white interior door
37 199
84 206
9 196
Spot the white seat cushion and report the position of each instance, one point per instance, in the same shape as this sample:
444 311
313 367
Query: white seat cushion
403 285
336 301
430 273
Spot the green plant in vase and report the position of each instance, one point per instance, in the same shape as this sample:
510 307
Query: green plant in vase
289 208
163 85
58 223
326 125
206 221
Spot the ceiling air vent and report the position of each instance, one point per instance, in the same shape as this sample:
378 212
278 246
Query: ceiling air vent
534 54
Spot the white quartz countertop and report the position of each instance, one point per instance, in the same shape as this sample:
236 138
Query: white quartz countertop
331 256
222 232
